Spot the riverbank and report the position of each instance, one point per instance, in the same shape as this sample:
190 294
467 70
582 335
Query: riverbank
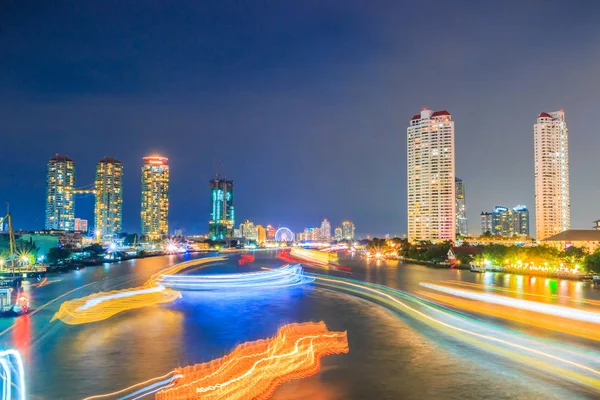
467 267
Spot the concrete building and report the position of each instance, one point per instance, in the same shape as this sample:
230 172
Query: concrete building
81 225
222 212
462 224
108 211
270 233
431 174
551 171
348 230
486 222
325 231
60 202
248 230
585 239
155 197
508 222
338 234
261 234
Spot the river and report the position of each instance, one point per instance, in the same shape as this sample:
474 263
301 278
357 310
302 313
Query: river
392 355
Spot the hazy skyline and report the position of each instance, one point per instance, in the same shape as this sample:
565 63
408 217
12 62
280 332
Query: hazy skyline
305 104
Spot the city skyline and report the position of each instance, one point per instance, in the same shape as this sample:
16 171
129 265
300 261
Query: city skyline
137 106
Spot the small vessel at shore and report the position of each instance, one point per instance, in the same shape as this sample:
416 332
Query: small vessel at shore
478 268
11 295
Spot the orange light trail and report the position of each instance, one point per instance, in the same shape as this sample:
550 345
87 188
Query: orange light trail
253 370
557 324
103 305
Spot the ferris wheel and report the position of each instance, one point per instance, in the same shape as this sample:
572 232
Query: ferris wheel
284 235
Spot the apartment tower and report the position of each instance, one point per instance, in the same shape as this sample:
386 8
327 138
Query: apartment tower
431 174
551 171
155 197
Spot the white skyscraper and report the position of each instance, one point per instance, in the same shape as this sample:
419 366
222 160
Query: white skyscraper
431 189
325 230
552 202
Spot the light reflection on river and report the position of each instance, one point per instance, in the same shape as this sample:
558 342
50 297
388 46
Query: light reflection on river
390 357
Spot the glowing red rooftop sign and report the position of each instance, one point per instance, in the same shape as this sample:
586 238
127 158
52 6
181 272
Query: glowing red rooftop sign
156 160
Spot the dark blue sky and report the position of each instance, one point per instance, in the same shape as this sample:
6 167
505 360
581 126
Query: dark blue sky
306 103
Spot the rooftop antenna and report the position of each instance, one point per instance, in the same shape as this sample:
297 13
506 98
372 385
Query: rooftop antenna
218 175
223 167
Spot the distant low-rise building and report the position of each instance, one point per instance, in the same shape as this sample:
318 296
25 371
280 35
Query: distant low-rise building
586 239
81 225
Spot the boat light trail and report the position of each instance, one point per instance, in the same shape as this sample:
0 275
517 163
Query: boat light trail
559 360
101 306
253 370
550 309
289 275
13 375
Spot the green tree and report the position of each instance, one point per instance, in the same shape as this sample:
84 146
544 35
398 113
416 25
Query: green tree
55 255
575 255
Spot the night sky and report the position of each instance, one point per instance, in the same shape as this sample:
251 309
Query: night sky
306 103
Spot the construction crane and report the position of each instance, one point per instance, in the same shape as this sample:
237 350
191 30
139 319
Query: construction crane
11 298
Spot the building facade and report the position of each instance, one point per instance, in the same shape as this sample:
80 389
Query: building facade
261 234
486 222
155 197
462 225
325 231
108 211
348 230
551 171
507 222
248 230
431 173
81 225
222 214
60 201
337 234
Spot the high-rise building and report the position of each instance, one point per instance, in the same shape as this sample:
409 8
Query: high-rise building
155 197
337 234
551 171
348 230
108 213
502 221
486 223
222 214
271 233
431 191
462 226
261 234
325 231
248 230
508 222
521 220
81 225
60 203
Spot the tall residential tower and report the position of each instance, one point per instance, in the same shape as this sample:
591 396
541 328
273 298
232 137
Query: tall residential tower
551 171
431 191
462 227
222 212
155 197
108 213
60 204
348 230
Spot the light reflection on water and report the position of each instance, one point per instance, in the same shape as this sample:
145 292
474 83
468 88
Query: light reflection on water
390 357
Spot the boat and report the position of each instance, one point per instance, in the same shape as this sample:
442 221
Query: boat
12 299
477 268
